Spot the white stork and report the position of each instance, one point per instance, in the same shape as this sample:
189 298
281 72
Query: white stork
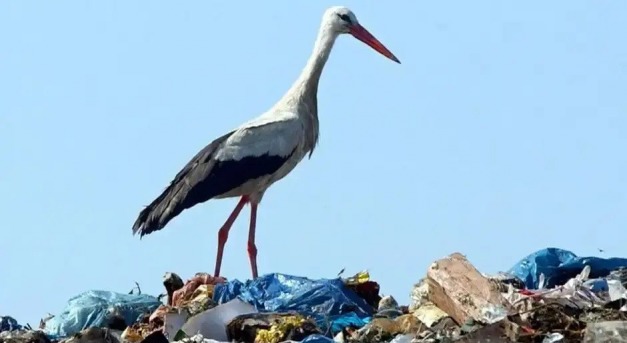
246 161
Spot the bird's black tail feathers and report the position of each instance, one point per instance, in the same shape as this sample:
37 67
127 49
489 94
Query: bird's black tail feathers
152 218
176 197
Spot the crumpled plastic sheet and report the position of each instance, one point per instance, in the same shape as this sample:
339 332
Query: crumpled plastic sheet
8 323
559 265
328 301
211 324
579 292
403 338
317 339
94 308
612 290
553 338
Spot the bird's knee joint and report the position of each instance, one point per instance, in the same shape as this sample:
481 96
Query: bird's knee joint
252 249
223 235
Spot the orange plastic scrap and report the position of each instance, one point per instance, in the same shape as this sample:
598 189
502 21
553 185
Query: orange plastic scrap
191 285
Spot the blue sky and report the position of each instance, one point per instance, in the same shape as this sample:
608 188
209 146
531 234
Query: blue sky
502 132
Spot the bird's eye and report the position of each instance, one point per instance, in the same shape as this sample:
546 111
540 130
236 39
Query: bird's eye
345 17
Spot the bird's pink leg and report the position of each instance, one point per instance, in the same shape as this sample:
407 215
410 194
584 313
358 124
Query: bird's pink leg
223 233
252 248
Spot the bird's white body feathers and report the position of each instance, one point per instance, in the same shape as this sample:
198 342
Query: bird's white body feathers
279 133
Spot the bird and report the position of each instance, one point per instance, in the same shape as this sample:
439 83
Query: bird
246 161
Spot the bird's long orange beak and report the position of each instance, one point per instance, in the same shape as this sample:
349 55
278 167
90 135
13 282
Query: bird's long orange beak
363 35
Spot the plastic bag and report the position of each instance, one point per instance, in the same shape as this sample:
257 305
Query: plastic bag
326 300
559 266
95 308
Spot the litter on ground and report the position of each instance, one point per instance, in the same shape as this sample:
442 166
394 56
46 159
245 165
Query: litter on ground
552 295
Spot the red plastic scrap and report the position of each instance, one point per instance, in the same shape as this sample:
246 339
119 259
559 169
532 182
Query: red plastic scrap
531 294
191 285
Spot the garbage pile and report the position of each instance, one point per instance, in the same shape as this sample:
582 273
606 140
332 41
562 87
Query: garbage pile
551 295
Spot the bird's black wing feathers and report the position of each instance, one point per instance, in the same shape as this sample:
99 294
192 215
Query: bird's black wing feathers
201 179
152 218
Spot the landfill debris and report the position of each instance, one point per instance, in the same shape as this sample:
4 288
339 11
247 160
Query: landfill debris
326 300
553 337
558 266
213 322
196 339
612 331
24 336
95 335
456 287
388 303
429 314
155 337
551 296
184 301
142 328
98 309
172 282
385 329
200 286
271 327
502 280
8 323
367 289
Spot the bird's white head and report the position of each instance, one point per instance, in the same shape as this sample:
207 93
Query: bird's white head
340 20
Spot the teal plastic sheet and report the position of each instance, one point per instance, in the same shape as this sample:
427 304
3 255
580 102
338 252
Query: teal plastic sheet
95 308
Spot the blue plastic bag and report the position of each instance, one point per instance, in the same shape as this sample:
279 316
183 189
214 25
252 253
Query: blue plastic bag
94 308
559 265
342 321
328 301
8 323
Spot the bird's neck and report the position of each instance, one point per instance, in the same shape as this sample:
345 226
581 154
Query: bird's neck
307 82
